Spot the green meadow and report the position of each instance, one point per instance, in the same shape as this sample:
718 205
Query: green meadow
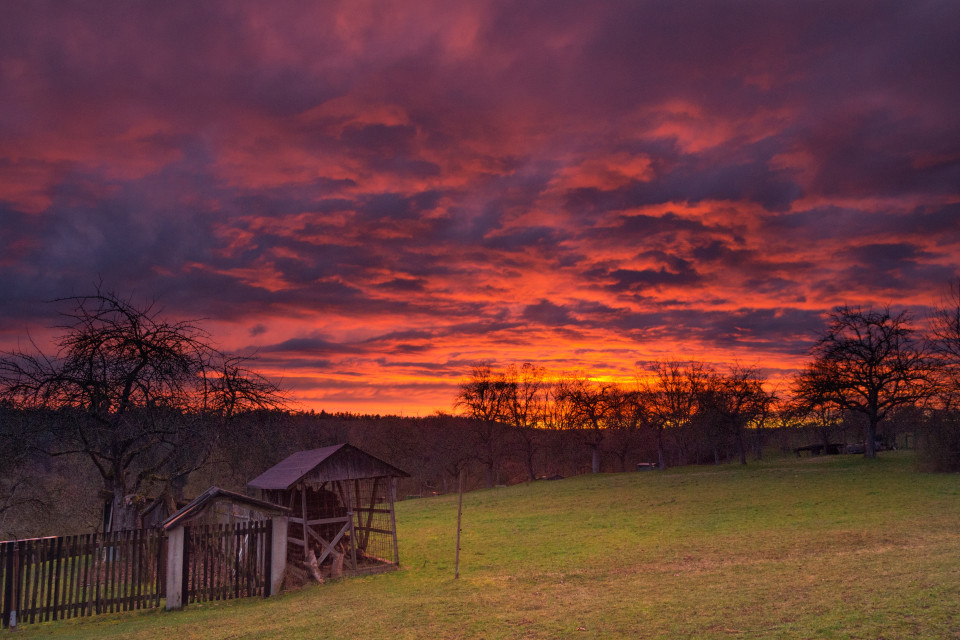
833 547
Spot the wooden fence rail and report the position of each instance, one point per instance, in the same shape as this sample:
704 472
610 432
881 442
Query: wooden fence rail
43 579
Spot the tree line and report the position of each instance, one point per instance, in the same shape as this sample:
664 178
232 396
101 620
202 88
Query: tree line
131 406
870 368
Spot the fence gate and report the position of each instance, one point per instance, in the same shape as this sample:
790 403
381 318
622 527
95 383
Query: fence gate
222 561
44 579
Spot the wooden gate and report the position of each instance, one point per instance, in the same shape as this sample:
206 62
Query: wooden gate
44 579
223 561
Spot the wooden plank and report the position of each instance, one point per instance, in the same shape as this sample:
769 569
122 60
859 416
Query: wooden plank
336 520
36 571
268 557
18 579
365 535
185 580
84 579
160 575
385 532
7 604
69 569
111 590
121 563
135 572
391 490
236 561
353 530
222 571
303 503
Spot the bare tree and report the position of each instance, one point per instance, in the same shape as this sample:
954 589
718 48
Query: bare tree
526 403
945 342
141 397
484 397
734 400
626 414
590 402
867 362
672 397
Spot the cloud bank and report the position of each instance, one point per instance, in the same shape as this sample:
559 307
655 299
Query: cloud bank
374 195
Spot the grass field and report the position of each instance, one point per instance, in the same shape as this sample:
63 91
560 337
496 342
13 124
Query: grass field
837 547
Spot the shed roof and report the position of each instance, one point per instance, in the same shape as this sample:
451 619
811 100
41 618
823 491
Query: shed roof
215 494
339 462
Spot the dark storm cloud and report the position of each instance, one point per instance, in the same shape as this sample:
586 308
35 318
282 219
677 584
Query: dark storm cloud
547 313
444 179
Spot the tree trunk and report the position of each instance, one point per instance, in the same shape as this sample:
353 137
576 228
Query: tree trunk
741 445
870 448
125 516
661 459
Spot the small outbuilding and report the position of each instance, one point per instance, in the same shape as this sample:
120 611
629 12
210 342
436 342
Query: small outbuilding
219 506
342 509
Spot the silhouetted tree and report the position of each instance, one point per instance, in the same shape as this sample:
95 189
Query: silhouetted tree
945 343
526 403
590 402
672 396
485 398
141 397
732 401
867 362
626 414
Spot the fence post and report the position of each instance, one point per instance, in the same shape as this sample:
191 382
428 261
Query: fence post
11 591
278 553
175 539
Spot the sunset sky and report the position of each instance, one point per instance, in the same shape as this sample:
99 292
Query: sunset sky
374 196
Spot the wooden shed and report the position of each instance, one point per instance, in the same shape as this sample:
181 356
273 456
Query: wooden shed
341 501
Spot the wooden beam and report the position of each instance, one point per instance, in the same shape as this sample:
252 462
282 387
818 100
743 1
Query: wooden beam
303 525
393 520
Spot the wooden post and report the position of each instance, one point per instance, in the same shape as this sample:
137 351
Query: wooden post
456 570
278 553
392 491
353 531
303 514
175 568
12 588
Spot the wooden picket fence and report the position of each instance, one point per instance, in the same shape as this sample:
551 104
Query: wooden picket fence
222 562
43 579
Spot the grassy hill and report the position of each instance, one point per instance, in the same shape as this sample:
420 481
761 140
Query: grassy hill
837 547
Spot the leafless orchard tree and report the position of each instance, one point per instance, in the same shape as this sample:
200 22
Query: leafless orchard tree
868 362
590 402
626 419
485 398
141 397
525 408
734 400
945 343
672 392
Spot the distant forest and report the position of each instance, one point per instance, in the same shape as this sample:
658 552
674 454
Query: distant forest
133 408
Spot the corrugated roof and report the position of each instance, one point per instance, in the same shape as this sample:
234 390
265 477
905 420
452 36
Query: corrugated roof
216 493
339 462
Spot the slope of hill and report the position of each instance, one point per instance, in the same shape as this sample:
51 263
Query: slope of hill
837 547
